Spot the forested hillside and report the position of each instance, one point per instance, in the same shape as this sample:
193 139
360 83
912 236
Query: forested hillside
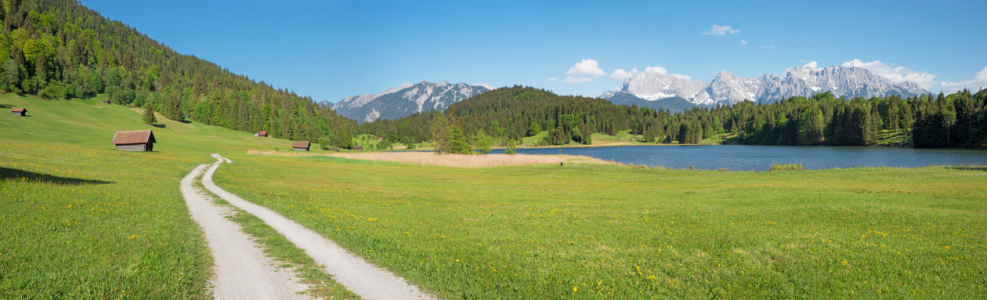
511 113
956 120
61 49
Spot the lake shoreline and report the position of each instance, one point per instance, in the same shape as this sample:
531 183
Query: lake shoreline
746 157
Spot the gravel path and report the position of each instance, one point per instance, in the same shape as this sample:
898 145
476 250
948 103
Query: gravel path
359 276
242 270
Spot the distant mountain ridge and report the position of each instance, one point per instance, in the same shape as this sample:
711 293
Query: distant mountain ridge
407 99
727 88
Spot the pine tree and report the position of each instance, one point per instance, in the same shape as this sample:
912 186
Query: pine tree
456 141
684 134
649 134
149 114
440 127
559 137
174 106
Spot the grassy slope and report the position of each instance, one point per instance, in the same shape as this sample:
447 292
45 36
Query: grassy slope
602 231
89 221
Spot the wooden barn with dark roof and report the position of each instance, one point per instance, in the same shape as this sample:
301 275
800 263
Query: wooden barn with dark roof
300 145
142 140
17 111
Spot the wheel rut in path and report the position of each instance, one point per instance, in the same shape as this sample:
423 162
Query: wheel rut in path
353 272
242 271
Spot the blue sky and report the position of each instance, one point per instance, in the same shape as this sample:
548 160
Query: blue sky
331 49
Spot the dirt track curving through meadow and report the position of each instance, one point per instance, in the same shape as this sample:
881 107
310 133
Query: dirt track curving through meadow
242 271
353 272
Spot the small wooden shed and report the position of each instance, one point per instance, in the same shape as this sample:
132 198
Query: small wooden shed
17 111
142 140
261 134
107 101
357 148
300 145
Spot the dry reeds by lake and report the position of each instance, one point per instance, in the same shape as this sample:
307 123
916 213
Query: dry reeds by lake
452 160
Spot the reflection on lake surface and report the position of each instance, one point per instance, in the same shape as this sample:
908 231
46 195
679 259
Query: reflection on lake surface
760 158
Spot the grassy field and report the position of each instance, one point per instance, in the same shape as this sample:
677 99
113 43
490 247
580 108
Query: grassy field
82 220
893 138
592 231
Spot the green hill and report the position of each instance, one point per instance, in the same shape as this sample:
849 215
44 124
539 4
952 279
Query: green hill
82 220
59 49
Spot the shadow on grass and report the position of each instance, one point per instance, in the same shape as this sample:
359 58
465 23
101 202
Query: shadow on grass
6 105
15 174
970 168
158 125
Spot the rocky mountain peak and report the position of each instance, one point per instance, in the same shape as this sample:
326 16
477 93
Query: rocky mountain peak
407 99
727 88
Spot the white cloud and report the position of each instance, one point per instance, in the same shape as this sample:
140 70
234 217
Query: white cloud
553 79
743 42
897 74
577 79
587 67
974 84
656 69
620 74
720 30
680 76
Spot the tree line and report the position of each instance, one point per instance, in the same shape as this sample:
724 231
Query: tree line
956 120
509 114
61 49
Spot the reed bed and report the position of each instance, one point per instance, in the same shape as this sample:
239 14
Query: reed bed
452 160
787 167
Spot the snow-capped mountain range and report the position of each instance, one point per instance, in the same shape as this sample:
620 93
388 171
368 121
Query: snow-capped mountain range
727 88
407 99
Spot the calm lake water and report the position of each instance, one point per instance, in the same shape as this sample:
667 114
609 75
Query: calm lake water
760 158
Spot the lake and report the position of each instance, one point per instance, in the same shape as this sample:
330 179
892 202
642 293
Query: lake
760 158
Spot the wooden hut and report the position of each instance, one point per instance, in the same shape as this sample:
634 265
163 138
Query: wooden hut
300 145
142 140
261 134
107 101
357 148
17 111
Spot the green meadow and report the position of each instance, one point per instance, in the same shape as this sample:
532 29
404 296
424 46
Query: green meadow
595 231
82 220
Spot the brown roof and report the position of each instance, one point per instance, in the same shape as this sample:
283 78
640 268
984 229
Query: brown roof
133 137
17 109
299 144
262 132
